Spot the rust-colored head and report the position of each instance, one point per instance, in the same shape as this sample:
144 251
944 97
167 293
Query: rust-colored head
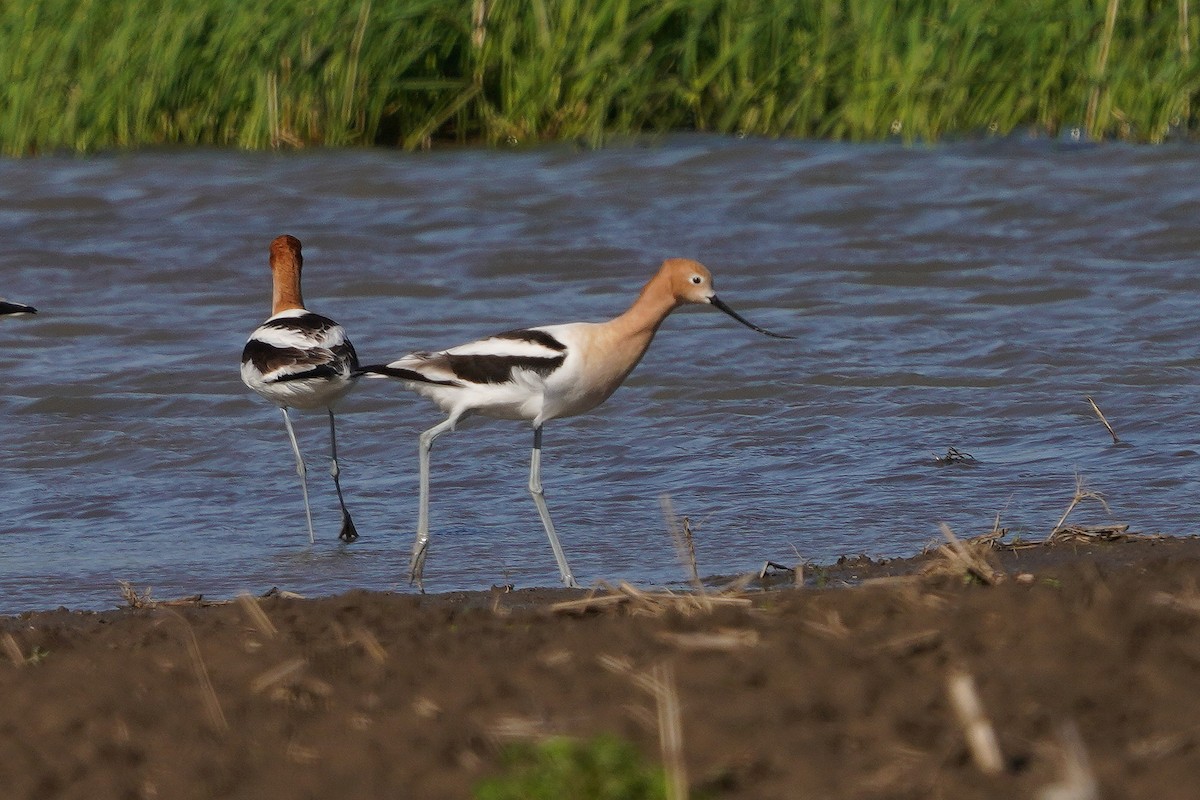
286 264
690 282
687 280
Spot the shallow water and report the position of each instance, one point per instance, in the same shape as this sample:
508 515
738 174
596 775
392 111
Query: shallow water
967 296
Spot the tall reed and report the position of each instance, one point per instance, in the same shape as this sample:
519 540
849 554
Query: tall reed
85 75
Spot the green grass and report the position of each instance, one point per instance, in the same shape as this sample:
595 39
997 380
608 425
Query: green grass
603 768
85 75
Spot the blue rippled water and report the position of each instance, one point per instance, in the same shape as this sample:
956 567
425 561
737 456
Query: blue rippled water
969 296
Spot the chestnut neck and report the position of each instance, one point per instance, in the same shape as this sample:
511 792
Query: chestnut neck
286 264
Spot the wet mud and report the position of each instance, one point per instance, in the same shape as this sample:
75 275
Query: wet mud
1084 660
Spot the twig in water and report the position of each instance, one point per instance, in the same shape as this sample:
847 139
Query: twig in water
685 547
954 456
980 735
1100 414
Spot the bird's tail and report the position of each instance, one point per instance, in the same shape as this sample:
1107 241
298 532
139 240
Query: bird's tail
399 373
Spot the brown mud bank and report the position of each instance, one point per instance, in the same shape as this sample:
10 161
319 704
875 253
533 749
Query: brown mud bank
1077 668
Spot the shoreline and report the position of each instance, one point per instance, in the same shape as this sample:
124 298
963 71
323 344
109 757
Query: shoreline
846 572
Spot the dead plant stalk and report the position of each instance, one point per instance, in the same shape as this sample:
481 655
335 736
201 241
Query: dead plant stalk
1081 493
1104 420
685 546
977 728
14 650
212 705
659 681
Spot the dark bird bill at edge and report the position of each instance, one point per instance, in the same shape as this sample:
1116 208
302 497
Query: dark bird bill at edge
9 307
719 303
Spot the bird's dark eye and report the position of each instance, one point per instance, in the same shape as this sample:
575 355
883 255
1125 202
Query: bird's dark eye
696 279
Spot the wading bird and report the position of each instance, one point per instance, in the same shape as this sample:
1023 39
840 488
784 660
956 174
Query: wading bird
9 308
539 374
298 359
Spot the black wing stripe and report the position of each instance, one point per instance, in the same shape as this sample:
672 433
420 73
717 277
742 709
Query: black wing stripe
305 323
322 371
497 369
267 358
537 337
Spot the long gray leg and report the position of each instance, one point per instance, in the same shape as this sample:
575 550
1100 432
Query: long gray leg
539 499
300 470
348 533
421 545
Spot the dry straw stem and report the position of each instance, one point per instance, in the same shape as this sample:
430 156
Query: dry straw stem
1090 534
971 558
369 643
1081 493
660 683
257 616
670 730
132 598
636 601
288 682
1078 781
1104 420
13 650
212 705
506 728
681 535
278 674
725 640
144 600
977 728
798 574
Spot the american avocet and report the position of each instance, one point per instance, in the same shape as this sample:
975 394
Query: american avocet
539 374
9 308
298 359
